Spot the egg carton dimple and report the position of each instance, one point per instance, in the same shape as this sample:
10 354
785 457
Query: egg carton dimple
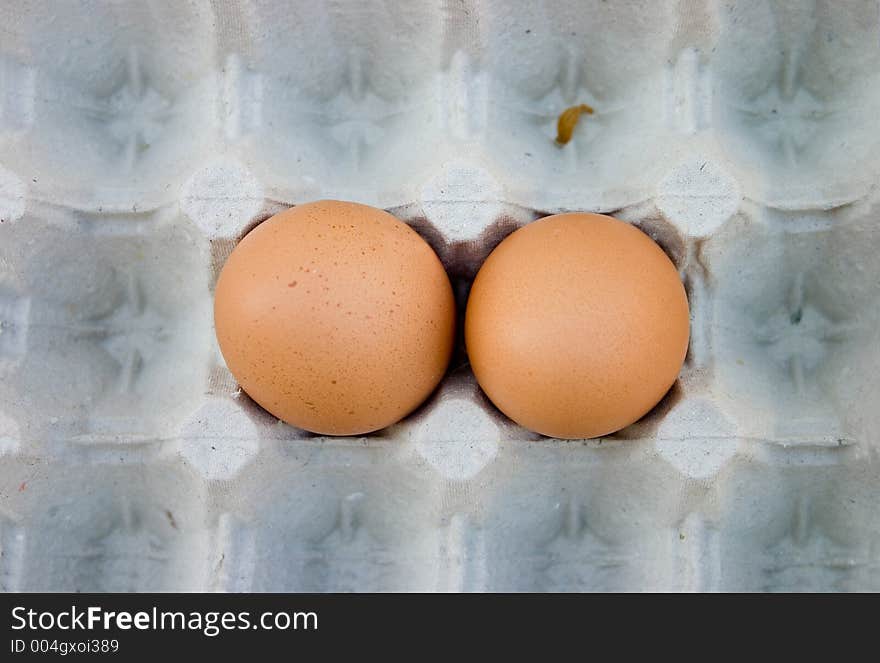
140 142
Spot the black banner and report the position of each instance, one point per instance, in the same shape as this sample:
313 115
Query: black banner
128 626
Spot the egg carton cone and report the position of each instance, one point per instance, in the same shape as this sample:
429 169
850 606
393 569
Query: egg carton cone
139 141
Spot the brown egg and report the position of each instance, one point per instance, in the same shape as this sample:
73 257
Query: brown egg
577 325
335 317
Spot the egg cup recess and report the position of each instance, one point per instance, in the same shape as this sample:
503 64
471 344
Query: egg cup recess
577 325
335 317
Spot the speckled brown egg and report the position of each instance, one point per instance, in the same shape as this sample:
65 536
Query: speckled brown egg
335 317
577 325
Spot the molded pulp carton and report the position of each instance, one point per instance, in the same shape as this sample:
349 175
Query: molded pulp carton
140 140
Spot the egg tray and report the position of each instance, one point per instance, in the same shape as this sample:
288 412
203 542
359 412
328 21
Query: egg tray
140 140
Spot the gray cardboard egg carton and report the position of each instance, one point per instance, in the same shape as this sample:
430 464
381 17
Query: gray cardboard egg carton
140 140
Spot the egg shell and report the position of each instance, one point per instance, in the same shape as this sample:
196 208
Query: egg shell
335 317
577 325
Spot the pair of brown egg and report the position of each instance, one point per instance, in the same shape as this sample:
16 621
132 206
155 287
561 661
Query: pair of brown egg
339 319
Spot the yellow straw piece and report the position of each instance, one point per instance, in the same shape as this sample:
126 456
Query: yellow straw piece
568 121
